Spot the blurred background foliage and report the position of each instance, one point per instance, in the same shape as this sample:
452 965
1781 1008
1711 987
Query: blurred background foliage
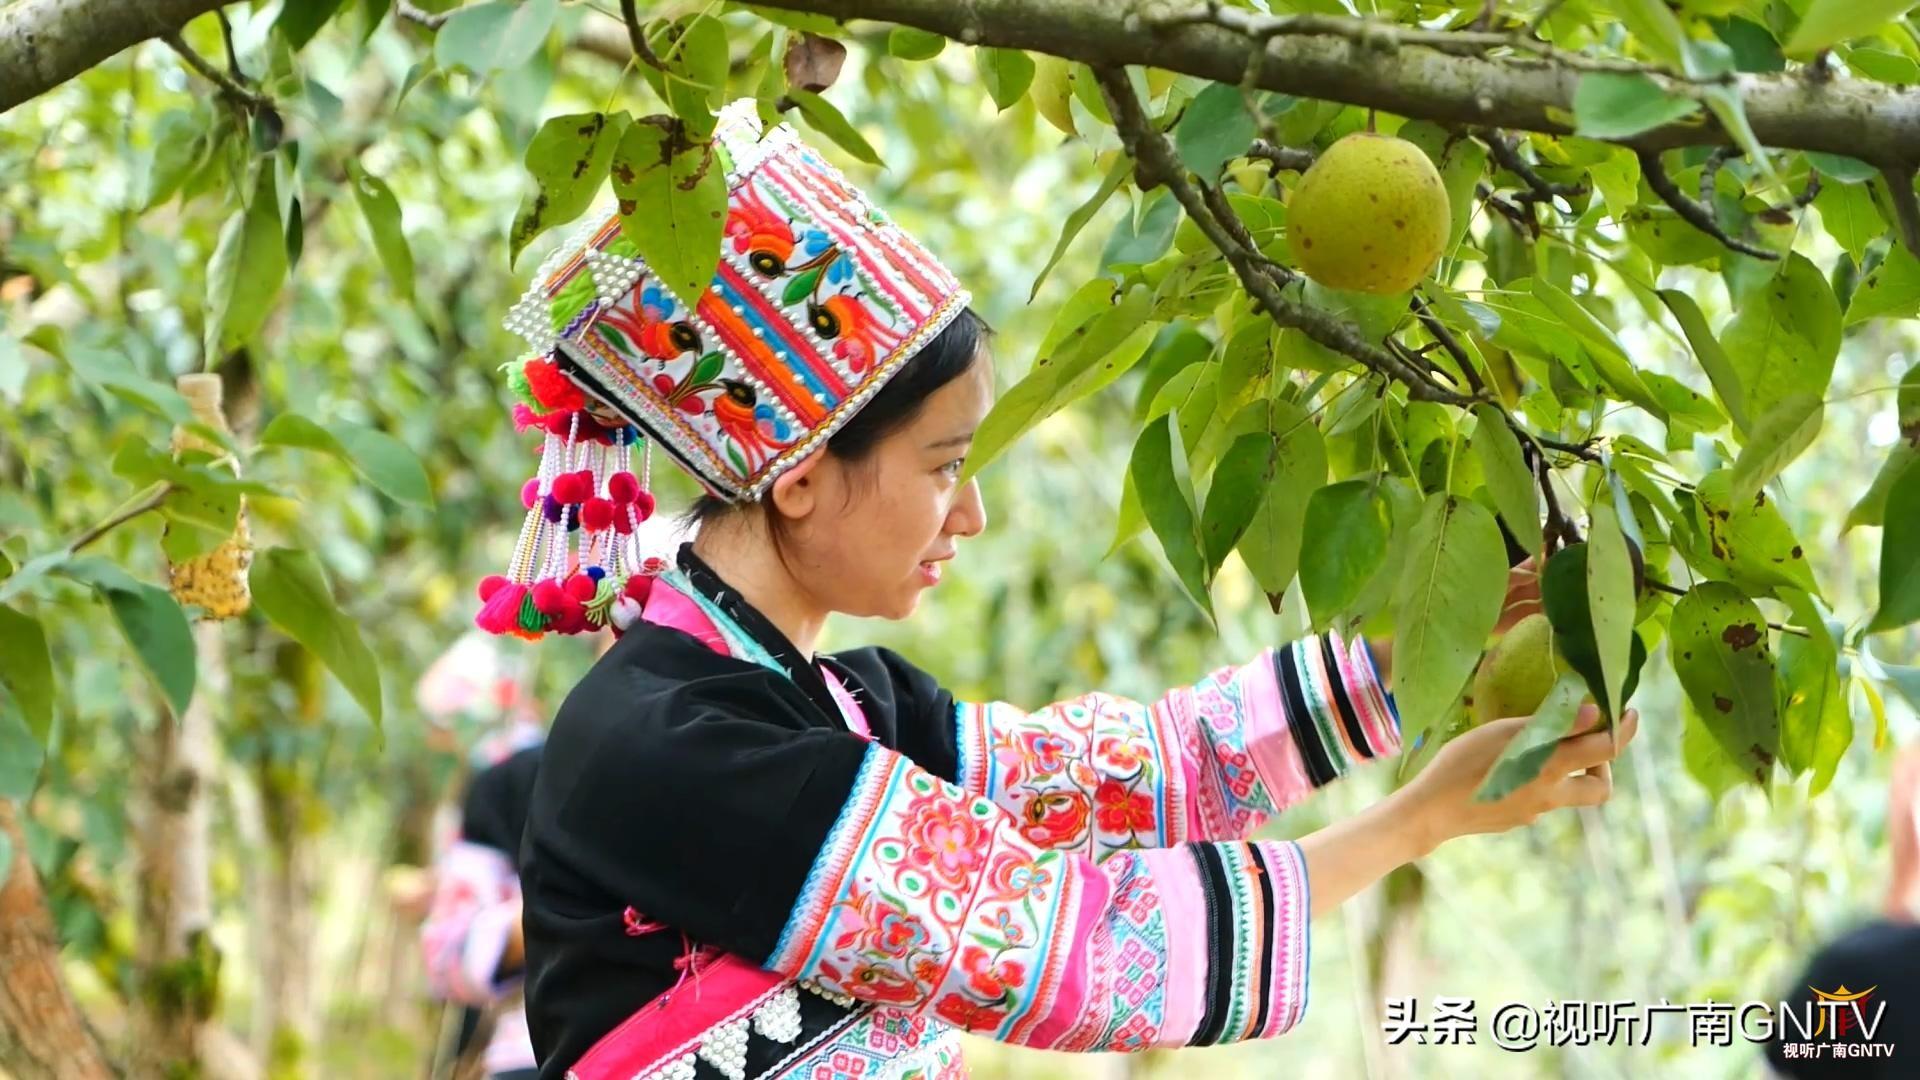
115 190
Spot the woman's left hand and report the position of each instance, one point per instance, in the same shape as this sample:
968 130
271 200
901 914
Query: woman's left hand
1523 596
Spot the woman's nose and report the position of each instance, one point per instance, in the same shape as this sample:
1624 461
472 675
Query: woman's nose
969 514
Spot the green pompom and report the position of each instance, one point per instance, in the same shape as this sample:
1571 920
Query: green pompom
517 382
531 618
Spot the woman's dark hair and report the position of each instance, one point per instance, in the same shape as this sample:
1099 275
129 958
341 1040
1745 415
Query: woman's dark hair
948 356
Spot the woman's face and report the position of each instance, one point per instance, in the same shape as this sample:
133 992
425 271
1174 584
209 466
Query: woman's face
879 531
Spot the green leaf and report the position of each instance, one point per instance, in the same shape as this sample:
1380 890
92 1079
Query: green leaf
1872 507
1447 603
1607 105
1781 435
1730 109
1135 244
1815 726
568 159
1077 220
696 58
1462 164
290 590
1159 473
301 19
1508 479
912 43
382 213
1890 290
1271 544
493 36
1829 22
1609 356
243 278
1215 128
673 209
1006 72
158 631
26 669
824 118
1713 359
1346 531
1721 653
1523 758
384 460
1847 170
1783 339
20 758
1084 358
1655 27
1848 213
1610 603
1748 537
1900 555
1705 759
1238 487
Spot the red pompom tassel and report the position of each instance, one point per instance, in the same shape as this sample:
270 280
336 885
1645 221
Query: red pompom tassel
548 600
622 487
552 389
530 493
489 585
501 613
623 520
596 514
573 487
558 423
524 418
643 504
639 587
581 587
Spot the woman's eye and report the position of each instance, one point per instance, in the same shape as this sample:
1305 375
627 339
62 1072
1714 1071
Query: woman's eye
952 468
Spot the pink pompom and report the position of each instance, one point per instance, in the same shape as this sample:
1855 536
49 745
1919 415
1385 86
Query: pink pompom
596 514
643 505
489 585
547 597
622 487
530 493
573 487
581 587
524 418
501 613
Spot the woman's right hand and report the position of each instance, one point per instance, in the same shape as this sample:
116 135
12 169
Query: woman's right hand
1579 773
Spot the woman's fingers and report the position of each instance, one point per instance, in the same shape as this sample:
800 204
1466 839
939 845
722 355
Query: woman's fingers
1577 752
1586 789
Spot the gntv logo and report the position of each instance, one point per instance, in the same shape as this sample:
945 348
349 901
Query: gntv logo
1837 1023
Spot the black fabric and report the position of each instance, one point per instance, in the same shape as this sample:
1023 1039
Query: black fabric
1213 888
1262 998
1348 715
495 813
696 788
1306 736
1883 955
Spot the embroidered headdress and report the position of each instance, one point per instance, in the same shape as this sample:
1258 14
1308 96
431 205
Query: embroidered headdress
817 301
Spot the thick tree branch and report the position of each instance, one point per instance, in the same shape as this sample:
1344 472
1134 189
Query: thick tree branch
1867 120
1694 213
1905 207
1281 158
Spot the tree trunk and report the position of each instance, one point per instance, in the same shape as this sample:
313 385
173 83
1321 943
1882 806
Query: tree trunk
179 969
42 1034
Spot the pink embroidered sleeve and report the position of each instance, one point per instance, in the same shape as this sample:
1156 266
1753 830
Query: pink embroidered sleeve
476 901
1100 773
926 896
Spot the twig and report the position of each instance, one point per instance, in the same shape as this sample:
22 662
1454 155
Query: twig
1281 158
1558 523
1906 208
1386 36
1541 190
1672 590
414 14
1693 213
641 49
1508 210
1710 172
226 40
1156 163
1450 343
148 499
232 90
1782 214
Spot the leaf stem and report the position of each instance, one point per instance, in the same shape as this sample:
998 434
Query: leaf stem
141 502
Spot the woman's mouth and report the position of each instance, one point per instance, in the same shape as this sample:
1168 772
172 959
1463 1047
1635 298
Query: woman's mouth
930 573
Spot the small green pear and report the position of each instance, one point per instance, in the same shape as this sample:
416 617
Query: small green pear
1517 673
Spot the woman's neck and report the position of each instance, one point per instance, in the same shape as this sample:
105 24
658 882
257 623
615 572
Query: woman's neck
748 564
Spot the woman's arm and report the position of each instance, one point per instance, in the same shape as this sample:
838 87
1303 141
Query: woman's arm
1101 773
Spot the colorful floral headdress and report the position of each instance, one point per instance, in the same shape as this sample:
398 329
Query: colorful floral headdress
817 301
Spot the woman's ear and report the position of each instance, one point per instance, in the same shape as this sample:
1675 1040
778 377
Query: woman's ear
794 492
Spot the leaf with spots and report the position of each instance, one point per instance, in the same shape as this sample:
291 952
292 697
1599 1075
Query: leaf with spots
1890 290
1872 507
1271 544
1783 338
1780 435
1725 663
568 158
1815 726
1610 604
673 206
1747 541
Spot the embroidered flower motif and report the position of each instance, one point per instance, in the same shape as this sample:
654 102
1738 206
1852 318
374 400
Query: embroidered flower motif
1045 752
1014 876
761 233
755 428
850 325
1123 754
943 839
1122 810
872 982
1055 818
968 1015
989 977
871 924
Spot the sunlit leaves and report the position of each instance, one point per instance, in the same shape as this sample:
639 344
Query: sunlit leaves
249 263
494 36
1160 472
1447 603
820 114
382 213
568 159
1215 127
1610 603
1721 653
1871 509
26 668
1890 290
1344 545
673 205
1828 22
290 589
1508 479
1900 555
1815 726
1007 73
1271 544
